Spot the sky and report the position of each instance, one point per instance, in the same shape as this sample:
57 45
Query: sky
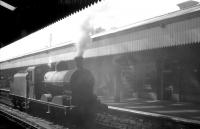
106 14
117 13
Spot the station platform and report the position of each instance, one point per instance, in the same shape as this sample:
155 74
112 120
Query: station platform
175 110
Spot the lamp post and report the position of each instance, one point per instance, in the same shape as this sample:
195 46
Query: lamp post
49 57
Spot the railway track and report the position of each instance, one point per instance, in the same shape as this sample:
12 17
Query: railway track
24 120
16 120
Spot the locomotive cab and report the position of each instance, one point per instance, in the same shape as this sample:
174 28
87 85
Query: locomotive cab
23 87
18 91
27 85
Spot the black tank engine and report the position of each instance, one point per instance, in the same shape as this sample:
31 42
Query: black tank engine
51 93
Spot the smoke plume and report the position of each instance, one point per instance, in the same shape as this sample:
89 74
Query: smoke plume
83 38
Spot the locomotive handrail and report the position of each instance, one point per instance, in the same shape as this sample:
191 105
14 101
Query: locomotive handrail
55 82
58 83
53 104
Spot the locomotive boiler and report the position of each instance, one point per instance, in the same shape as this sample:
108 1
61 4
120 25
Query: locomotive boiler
57 87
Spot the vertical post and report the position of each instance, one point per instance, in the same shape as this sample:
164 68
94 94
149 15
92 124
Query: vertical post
48 109
117 83
27 90
160 79
50 39
50 42
180 83
117 78
117 89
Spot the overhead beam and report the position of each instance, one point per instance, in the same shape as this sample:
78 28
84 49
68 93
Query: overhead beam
6 5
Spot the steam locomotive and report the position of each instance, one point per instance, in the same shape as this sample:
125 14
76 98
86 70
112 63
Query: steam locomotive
48 94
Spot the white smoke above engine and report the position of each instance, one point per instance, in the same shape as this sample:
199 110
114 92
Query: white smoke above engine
83 36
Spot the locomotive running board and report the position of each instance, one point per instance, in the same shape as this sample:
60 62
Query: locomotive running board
50 104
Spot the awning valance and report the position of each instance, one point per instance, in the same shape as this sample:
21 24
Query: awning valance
174 34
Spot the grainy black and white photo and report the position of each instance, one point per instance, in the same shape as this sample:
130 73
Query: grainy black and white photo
100 64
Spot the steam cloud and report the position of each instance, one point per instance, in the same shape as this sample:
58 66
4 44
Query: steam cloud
83 37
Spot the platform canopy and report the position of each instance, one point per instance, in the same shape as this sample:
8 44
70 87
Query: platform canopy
174 29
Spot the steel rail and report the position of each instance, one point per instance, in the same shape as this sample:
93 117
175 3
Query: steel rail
18 120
